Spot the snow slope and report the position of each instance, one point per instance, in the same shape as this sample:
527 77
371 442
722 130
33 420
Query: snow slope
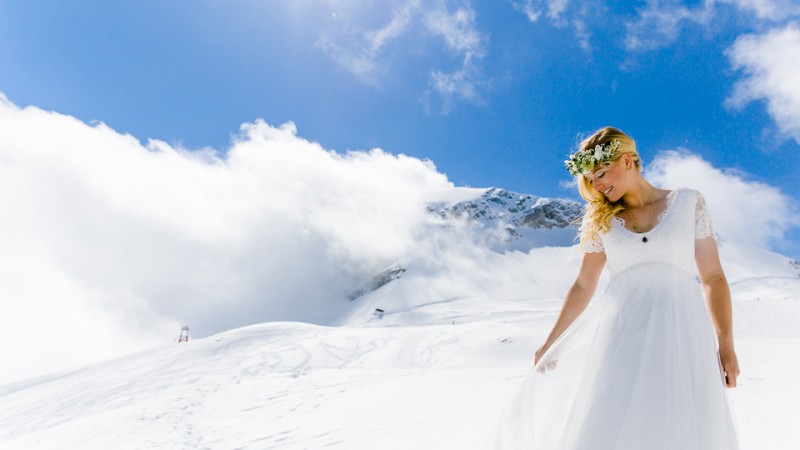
432 374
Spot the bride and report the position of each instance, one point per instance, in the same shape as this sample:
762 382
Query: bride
645 364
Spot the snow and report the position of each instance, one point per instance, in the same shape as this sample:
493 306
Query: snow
96 263
433 374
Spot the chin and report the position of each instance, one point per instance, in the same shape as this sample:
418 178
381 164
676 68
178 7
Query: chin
612 196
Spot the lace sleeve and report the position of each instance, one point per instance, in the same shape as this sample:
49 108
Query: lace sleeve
702 220
587 244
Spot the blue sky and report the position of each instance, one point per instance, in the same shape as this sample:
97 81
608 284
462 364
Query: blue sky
495 93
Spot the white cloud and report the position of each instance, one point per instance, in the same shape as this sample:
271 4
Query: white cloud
770 62
659 23
767 9
110 245
557 13
459 32
742 210
357 61
461 84
582 34
396 27
530 8
455 84
360 50
534 8
555 8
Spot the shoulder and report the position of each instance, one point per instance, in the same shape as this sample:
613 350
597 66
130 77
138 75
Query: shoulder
687 193
684 190
693 199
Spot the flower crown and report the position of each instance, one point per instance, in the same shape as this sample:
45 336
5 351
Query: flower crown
587 159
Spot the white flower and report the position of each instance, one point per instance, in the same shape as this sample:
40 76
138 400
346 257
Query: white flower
588 159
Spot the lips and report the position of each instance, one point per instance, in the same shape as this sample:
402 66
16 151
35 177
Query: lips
608 190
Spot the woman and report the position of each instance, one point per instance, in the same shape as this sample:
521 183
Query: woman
646 364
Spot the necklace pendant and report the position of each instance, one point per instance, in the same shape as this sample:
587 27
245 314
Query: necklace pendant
644 239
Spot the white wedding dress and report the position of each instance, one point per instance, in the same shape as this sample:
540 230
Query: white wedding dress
639 368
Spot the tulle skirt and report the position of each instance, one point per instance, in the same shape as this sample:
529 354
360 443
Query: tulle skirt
637 369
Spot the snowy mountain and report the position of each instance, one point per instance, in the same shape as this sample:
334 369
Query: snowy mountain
503 220
516 209
526 220
462 315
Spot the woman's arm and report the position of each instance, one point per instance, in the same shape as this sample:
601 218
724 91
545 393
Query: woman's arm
718 297
577 297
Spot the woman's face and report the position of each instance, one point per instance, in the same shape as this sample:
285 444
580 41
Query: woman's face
611 180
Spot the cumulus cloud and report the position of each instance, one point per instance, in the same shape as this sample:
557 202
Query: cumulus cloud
742 210
769 60
110 245
770 63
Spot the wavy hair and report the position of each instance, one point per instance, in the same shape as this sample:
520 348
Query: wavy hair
599 211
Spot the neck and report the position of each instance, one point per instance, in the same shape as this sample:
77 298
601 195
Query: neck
642 193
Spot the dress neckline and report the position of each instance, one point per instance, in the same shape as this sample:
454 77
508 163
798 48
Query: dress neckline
659 218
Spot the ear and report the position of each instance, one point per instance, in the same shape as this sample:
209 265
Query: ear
627 161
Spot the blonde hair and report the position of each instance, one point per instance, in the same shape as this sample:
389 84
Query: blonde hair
600 211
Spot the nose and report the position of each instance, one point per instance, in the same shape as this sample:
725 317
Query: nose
600 187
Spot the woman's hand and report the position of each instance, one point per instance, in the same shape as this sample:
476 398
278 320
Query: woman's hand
577 298
718 296
730 364
540 352
550 365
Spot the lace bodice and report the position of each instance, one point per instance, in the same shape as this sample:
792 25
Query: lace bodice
684 220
